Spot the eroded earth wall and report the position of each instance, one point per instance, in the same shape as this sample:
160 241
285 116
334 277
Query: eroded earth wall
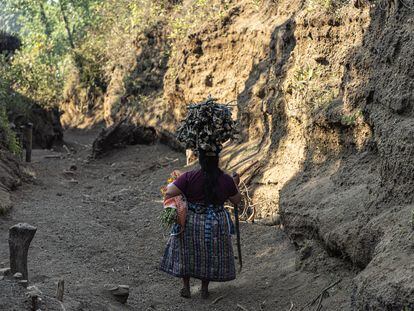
325 102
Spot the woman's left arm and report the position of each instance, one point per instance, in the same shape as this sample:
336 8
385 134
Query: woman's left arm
172 191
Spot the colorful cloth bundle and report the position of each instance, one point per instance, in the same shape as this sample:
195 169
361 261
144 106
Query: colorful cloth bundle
175 208
207 126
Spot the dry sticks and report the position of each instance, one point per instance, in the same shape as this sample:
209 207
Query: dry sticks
319 297
207 126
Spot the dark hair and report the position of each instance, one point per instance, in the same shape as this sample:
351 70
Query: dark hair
211 171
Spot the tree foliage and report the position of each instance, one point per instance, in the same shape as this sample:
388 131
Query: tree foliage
88 39
51 31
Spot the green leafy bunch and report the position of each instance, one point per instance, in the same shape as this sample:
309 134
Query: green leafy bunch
168 217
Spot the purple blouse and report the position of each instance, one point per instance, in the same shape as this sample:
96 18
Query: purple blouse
191 185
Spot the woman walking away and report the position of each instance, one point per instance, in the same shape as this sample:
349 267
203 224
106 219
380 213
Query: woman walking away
203 250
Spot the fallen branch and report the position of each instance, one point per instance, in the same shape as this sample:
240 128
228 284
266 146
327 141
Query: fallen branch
217 299
66 149
320 296
319 307
248 200
253 215
291 306
241 307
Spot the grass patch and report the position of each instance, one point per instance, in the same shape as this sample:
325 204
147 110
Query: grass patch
351 119
311 87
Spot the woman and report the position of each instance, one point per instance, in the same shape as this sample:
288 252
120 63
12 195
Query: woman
204 249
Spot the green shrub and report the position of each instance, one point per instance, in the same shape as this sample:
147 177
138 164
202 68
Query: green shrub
7 134
351 119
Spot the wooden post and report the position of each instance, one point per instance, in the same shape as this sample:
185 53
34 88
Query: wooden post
29 141
60 290
20 237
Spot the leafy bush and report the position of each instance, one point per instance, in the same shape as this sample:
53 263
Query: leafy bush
74 47
351 119
7 136
312 87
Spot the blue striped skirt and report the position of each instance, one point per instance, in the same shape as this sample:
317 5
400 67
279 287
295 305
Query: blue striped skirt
204 250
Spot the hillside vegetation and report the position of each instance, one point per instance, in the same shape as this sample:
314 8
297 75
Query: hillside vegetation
323 92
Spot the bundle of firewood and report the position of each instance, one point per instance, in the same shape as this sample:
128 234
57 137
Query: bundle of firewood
207 126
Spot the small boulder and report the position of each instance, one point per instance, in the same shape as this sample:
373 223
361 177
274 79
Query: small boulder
68 173
73 182
119 292
18 276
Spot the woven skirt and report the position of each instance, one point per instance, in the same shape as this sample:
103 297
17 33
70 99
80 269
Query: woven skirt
204 249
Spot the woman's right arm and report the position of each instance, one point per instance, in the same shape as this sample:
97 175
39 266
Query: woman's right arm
177 187
172 191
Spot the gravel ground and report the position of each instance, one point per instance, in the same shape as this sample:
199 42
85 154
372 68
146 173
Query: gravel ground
99 225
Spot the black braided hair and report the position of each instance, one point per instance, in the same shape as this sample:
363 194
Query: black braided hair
210 167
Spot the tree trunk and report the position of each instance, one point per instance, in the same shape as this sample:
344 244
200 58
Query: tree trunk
44 19
20 237
67 26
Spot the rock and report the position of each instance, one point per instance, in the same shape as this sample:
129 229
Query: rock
1 278
33 290
33 295
73 182
119 292
68 173
5 271
18 276
305 252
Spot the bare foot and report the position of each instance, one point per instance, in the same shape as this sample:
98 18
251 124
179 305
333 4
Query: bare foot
185 292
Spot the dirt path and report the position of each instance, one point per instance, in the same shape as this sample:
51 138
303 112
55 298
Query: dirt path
104 229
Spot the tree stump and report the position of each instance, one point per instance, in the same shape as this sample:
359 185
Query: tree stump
20 237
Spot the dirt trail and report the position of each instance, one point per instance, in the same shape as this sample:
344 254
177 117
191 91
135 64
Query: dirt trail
104 229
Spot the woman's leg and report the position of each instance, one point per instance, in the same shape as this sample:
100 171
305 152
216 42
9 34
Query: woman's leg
204 289
185 291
